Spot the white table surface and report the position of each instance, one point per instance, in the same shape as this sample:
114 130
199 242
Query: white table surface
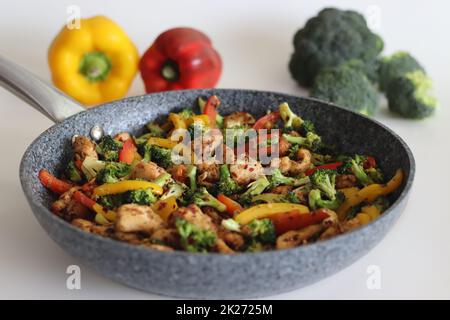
254 39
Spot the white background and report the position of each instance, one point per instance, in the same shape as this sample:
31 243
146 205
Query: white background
254 39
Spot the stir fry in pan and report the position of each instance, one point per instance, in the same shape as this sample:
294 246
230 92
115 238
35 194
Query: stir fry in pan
205 182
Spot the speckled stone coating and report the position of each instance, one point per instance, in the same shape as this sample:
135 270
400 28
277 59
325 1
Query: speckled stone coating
190 275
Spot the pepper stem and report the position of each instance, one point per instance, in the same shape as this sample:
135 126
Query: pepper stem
95 66
169 71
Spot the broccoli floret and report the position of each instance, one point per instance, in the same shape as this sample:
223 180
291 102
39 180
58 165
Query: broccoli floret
410 97
331 38
375 174
142 197
112 172
347 88
186 113
262 231
311 141
255 188
203 198
162 179
175 190
91 166
155 130
357 168
108 148
72 173
396 65
161 156
226 184
111 201
307 127
319 159
382 203
370 69
290 119
324 180
316 201
194 239
277 178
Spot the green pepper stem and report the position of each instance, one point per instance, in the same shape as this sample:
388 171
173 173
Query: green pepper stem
169 71
95 66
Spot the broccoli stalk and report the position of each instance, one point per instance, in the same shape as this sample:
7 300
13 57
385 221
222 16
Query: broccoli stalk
324 180
108 148
203 198
261 230
191 173
194 239
277 178
316 201
226 184
312 141
162 179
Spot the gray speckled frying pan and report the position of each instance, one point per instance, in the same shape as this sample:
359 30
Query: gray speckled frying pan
183 274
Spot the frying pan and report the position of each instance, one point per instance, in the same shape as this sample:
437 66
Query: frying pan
193 275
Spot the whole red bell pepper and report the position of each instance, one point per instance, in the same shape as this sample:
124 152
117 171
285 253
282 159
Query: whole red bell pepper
180 58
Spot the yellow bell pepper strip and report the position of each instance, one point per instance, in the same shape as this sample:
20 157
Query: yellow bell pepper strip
370 193
102 214
177 121
126 185
266 210
349 192
200 118
95 63
164 208
161 142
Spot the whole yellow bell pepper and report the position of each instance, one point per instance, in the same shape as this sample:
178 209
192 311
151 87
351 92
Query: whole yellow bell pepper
126 185
370 193
95 63
262 211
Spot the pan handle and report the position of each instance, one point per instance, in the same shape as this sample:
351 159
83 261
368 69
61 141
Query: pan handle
43 97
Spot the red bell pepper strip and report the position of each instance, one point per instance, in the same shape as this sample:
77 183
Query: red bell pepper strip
128 151
54 184
294 220
210 109
332 166
369 163
273 116
232 206
84 200
180 58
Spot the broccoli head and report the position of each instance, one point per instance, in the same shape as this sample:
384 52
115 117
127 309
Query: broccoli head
307 127
255 188
347 88
316 202
331 38
161 156
262 231
111 201
72 173
108 148
194 239
186 113
226 184
396 65
175 190
410 97
311 141
142 197
324 180
370 68
203 198
112 172
155 130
